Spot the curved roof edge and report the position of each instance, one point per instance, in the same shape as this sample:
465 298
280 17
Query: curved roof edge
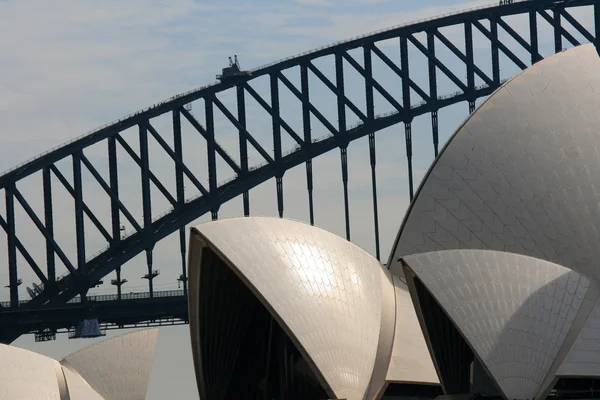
255 247
25 374
516 175
411 360
79 389
390 260
117 368
493 318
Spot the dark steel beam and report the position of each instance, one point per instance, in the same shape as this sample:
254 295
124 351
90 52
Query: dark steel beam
531 48
438 63
533 37
113 192
374 83
192 120
130 309
406 73
242 129
580 28
406 101
276 122
472 69
469 58
341 114
115 204
241 118
558 46
211 155
12 246
398 71
495 53
306 102
86 209
179 165
368 62
334 89
431 66
180 188
177 156
435 132
408 140
344 160
269 110
152 177
559 30
79 222
49 224
145 175
306 109
597 26
30 261
43 230
501 46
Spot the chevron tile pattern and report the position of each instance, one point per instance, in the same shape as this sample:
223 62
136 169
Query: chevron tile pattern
584 357
117 368
26 375
514 311
523 173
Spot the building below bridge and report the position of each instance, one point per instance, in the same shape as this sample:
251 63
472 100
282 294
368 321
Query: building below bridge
493 286
115 369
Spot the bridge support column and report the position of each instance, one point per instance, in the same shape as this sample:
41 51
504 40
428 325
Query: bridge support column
435 132
182 250
12 246
471 106
118 283
279 184
533 35
372 154
408 139
373 159
151 273
597 26
558 45
307 139
344 159
241 111
495 52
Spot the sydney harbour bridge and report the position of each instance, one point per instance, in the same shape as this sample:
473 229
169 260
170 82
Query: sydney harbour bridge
57 296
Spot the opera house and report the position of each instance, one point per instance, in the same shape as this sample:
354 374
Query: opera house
492 287
115 369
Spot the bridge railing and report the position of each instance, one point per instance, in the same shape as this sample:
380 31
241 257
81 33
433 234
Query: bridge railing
115 297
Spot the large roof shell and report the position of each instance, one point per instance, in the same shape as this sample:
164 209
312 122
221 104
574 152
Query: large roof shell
325 292
117 368
522 174
26 375
520 315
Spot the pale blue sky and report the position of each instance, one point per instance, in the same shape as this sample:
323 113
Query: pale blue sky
70 66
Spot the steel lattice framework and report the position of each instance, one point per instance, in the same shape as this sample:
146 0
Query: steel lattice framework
84 272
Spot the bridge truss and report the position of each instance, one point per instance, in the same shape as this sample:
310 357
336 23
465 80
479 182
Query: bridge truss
489 28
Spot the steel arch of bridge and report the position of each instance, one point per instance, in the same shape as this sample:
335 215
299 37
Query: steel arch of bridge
84 272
